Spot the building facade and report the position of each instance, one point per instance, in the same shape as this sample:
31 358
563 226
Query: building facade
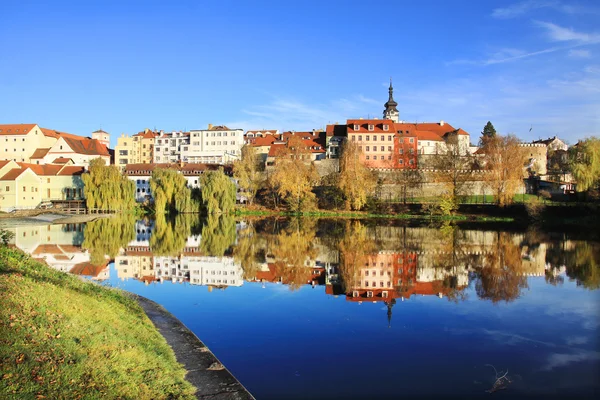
214 145
168 146
135 149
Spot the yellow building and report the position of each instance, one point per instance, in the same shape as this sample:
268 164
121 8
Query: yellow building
26 186
18 142
136 149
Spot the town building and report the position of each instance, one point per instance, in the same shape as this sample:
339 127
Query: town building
30 143
26 186
102 137
168 146
135 149
214 145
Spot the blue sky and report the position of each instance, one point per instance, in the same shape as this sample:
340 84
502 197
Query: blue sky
78 66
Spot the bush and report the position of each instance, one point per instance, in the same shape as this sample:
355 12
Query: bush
5 236
534 208
544 194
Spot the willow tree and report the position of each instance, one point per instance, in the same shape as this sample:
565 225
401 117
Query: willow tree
218 234
454 169
504 161
104 237
295 175
585 163
356 181
248 173
105 188
170 234
218 192
171 193
246 251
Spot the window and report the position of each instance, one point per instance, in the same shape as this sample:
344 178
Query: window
353 138
367 137
374 157
385 127
389 148
7 189
411 151
382 148
411 140
382 138
371 127
401 162
411 162
359 137
389 138
368 148
367 284
356 127
367 157
24 189
48 180
400 132
389 157
366 273
401 151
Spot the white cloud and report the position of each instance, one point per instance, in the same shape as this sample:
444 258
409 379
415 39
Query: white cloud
580 53
561 360
561 34
524 7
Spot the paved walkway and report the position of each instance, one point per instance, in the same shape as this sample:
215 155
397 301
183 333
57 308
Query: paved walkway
211 378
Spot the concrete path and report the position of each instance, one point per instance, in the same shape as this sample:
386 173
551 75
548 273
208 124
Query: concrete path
211 378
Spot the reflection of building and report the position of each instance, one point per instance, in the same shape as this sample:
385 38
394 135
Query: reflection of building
215 271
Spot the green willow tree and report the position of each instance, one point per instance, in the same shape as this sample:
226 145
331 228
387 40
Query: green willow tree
171 193
248 173
218 234
104 237
105 188
585 163
355 181
170 234
218 192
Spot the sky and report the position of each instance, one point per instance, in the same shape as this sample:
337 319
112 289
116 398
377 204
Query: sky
531 67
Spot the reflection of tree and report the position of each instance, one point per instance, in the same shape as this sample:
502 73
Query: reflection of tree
170 234
291 248
354 250
247 250
218 234
104 237
583 265
501 276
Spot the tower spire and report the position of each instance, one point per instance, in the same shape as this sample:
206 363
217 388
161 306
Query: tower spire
391 112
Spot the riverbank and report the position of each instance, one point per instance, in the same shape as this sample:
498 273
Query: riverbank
62 337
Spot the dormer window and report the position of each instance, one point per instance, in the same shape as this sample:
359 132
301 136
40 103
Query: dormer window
386 127
371 127
356 127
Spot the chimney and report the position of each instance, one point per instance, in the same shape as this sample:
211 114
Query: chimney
442 123
209 126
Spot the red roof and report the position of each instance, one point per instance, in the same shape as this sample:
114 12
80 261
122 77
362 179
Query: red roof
276 149
61 160
3 163
147 134
71 170
269 131
88 269
363 126
337 130
428 135
261 140
13 174
15 129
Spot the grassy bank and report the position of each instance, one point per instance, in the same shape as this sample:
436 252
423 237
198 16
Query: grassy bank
61 337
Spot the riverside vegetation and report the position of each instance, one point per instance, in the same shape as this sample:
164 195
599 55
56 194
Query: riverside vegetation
61 337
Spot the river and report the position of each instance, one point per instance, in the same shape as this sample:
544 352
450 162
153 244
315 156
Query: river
308 308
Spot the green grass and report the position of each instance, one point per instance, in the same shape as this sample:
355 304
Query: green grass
63 338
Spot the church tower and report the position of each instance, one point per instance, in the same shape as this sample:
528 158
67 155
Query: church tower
391 112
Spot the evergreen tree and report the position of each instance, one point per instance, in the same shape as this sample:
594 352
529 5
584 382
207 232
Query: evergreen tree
218 192
489 132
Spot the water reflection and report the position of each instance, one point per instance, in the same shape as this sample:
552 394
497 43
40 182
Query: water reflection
363 262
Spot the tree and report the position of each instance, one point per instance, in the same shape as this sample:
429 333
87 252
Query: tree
295 176
218 192
218 234
170 234
105 188
106 236
489 132
454 168
355 247
171 193
504 162
584 159
406 180
356 181
247 172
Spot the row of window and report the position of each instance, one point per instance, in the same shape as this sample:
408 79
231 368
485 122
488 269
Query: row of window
375 272
371 127
374 284
368 137
6 139
213 134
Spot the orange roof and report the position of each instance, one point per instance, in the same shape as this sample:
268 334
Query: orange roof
337 130
219 128
47 249
428 135
61 160
40 153
86 146
88 269
71 170
43 169
3 163
276 149
271 131
261 140
15 129
13 174
147 134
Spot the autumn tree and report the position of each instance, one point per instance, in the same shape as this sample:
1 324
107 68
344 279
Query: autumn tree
355 247
584 161
501 277
218 192
171 193
504 161
246 251
454 169
489 132
105 188
355 181
295 175
406 180
248 173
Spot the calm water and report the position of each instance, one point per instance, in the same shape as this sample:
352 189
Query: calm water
324 309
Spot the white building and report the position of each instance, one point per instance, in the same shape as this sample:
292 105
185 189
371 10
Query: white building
168 146
215 145
215 271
